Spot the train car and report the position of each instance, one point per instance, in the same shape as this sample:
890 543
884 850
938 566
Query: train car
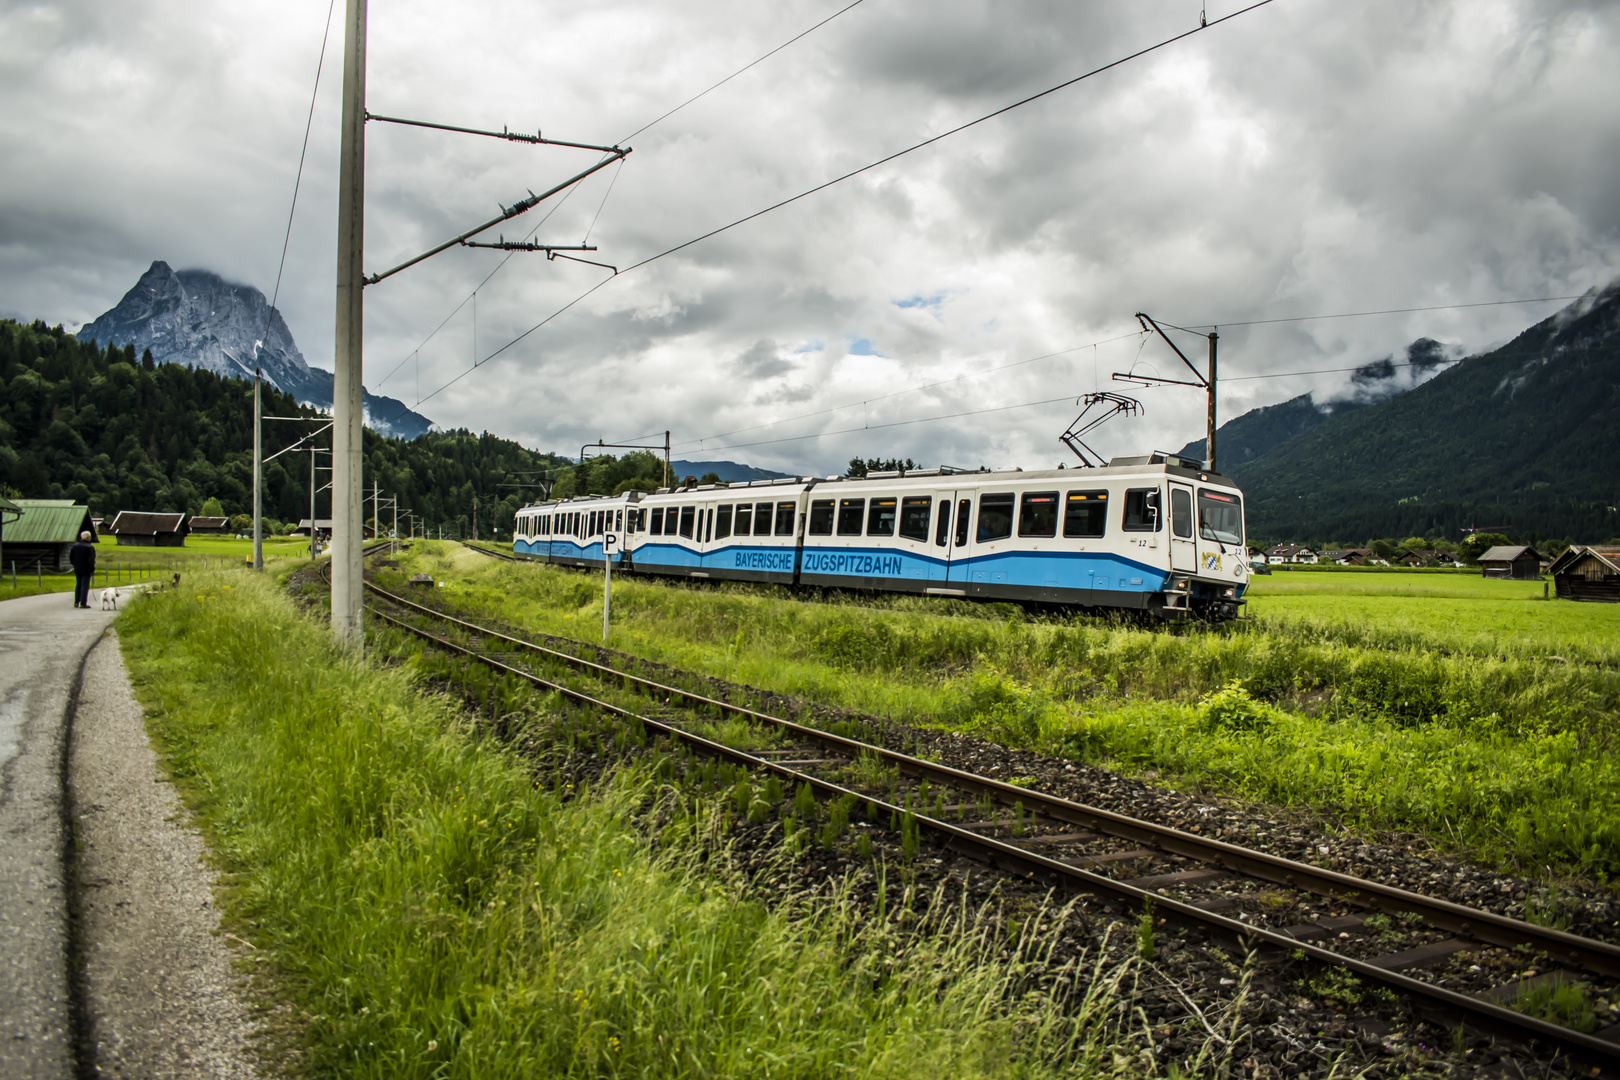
1156 533
575 532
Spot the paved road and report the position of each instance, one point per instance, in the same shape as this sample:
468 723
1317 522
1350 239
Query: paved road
43 642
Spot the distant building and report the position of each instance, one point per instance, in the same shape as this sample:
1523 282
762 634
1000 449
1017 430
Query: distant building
210 526
1518 563
1355 557
136 528
323 529
44 533
1587 573
1425 557
1291 553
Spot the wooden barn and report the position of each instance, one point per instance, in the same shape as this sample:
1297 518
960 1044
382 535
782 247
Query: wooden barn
1587 573
1517 563
138 529
209 526
42 536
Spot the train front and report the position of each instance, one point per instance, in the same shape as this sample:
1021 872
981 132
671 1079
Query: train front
1209 565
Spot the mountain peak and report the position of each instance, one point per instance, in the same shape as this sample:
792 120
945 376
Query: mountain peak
198 318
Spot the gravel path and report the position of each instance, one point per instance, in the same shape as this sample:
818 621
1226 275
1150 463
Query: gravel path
42 641
161 996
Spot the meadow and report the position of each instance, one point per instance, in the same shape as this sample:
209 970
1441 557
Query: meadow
116 565
1380 701
432 909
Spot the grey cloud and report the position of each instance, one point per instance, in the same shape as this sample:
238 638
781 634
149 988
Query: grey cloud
1312 157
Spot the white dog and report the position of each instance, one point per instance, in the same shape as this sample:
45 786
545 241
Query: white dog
109 599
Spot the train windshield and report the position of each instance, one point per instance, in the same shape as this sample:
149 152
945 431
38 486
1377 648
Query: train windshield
1220 517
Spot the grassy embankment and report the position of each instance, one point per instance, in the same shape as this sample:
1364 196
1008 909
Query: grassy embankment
434 911
1394 703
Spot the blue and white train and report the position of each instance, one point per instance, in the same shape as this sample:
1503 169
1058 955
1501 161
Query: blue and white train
1157 534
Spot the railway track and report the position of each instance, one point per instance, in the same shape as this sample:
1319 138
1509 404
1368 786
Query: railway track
1124 862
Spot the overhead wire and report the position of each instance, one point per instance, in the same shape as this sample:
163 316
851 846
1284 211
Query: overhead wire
908 390
650 124
298 179
739 71
859 171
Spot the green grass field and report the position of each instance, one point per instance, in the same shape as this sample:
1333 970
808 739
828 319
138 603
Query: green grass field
1455 612
1360 698
432 910
117 565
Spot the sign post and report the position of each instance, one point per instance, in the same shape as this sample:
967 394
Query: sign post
607 581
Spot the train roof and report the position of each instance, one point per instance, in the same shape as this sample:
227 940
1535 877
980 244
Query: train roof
1154 464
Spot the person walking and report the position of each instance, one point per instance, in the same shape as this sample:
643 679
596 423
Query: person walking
83 557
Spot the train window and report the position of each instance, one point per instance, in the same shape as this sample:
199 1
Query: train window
850 512
762 519
1181 512
1086 515
657 526
1142 510
785 513
914 510
708 526
880 518
722 527
1037 514
995 518
821 517
618 519
745 518
688 514
944 531
1220 517
963 507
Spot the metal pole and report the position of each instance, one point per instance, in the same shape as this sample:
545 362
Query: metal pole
347 387
258 481
666 459
312 502
1211 423
607 582
475 519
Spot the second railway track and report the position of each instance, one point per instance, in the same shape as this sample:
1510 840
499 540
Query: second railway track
1125 862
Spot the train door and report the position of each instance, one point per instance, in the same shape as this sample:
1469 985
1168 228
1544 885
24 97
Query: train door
961 518
939 570
1183 540
914 536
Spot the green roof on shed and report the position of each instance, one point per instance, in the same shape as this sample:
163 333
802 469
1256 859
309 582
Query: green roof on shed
48 521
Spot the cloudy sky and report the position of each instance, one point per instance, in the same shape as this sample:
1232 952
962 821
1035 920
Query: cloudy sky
1306 158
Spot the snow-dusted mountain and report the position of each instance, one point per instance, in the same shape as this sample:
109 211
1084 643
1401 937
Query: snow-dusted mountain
197 318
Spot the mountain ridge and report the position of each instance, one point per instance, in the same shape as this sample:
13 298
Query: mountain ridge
199 319
1520 435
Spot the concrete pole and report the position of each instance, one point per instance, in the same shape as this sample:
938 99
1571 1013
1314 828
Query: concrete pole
1211 423
311 502
258 482
347 387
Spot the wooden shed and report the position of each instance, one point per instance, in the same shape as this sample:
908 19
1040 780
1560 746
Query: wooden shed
1587 573
139 529
211 526
1517 563
44 534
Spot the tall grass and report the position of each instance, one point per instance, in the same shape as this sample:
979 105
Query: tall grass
1505 756
437 912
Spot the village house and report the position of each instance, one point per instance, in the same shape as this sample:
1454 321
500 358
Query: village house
1355 557
42 536
135 528
1587 573
1291 553
1519 563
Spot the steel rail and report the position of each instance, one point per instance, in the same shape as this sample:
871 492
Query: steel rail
1486 927
1487 1017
